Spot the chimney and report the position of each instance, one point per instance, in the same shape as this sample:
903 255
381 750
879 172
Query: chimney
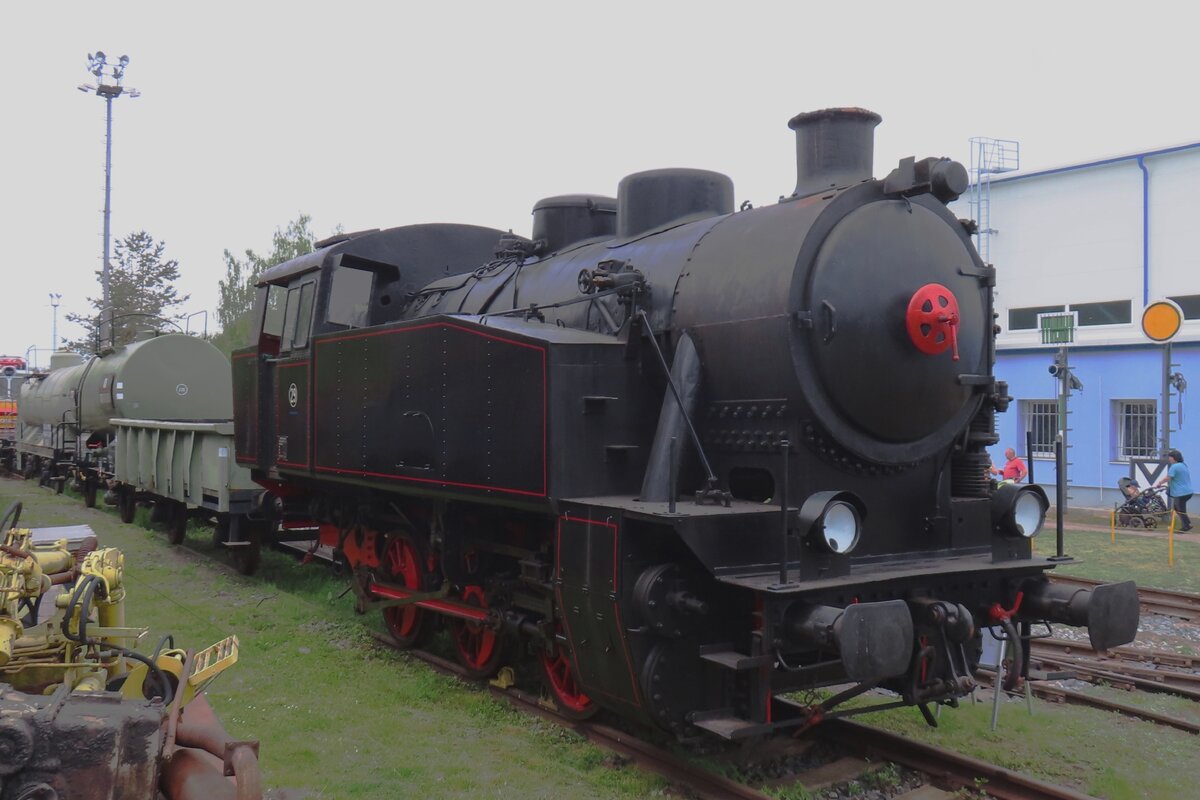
835 147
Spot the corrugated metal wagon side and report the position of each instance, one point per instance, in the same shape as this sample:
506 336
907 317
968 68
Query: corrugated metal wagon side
184 470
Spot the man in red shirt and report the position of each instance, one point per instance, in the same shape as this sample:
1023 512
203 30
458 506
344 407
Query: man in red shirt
1014 470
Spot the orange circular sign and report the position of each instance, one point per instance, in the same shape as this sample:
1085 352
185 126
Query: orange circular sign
1161 320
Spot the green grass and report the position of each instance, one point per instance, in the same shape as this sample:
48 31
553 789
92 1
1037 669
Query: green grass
338 715
1096 752
342 717
1143 558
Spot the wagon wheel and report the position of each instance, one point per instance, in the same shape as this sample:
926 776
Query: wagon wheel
160 512
1135 522
247 557
126 504
479 649
89 493
1150 522
402 564
559 678
177 523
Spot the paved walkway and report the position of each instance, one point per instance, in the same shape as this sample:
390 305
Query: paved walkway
1069 524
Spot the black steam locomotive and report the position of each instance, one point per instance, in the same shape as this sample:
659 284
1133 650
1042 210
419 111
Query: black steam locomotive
690 458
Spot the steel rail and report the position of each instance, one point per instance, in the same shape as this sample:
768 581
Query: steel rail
949 770
945 768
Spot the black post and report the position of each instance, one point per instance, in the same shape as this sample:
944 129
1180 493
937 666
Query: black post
1060 492
674 479
1029 454
783 513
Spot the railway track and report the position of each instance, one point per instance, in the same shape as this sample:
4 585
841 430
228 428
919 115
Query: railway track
1182 605
1147 670
866 749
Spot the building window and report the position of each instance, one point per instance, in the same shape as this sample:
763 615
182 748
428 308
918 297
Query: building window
1189 304
1041 420
1115 312
1026 319
1137 428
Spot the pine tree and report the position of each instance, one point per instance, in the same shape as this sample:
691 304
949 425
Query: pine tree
141 289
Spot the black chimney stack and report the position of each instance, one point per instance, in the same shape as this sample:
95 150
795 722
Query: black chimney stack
834 147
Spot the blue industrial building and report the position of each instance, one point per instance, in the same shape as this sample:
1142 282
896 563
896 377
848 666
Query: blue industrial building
1098 242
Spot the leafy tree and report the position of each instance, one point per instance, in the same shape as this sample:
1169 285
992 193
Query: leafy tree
141 291
236 303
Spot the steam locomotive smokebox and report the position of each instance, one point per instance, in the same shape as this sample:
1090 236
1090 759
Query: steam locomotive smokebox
834 147
571 218
651 199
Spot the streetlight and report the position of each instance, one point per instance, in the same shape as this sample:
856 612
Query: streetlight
54 298
108 85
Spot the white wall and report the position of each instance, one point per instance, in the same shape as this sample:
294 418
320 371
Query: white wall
1076 236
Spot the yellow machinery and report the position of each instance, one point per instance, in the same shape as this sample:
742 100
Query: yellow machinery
81 709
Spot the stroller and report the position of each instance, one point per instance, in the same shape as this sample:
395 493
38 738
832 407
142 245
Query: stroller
1143 508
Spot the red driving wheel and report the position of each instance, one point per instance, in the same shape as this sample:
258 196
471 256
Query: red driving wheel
477 646
401 564
932 320
572 701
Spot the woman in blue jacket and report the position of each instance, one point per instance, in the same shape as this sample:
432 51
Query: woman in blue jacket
1179 486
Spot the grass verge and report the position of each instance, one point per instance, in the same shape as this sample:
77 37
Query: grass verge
338 715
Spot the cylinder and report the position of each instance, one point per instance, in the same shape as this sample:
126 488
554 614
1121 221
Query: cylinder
172 376
834 147
657 197
572 218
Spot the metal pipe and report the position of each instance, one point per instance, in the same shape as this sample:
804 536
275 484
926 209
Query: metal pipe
1060 493
1029 454
1165 411
674 482
783 513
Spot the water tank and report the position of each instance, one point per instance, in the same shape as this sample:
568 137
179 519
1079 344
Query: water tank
167 377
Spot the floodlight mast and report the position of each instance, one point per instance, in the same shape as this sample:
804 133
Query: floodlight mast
108 85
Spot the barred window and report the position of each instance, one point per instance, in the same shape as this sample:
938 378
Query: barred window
1137 429
1041 420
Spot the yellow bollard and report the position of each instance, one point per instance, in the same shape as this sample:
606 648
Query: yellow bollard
1171 541
1112 527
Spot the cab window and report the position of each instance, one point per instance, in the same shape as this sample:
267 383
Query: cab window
304 316
273 316
350 297
298 316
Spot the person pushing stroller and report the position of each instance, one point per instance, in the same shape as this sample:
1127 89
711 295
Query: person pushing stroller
1178 481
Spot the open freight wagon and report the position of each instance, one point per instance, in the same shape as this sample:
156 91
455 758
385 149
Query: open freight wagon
187 470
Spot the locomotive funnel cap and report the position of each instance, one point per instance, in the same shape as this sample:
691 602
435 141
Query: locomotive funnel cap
835 147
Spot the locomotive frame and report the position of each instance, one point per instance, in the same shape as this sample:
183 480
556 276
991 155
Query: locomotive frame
691 459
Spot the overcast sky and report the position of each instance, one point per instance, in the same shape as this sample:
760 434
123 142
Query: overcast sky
371 115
